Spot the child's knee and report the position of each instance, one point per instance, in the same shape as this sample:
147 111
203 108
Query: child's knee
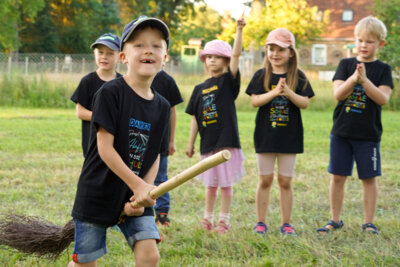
284 182
265 181
211 191
149 258
227 191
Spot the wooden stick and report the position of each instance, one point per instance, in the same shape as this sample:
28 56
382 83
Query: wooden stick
188 174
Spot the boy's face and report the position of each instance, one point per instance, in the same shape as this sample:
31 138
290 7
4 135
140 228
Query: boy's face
106 58
146 52
367 45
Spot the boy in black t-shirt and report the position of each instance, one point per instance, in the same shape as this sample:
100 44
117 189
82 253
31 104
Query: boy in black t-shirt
166 86
361 85
106 55
128 123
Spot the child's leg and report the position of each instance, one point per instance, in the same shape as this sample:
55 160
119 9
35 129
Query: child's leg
265 164
336 197
89 264
146 253
285 197
226 201
370 196
211 197
142 234
286 163
263 196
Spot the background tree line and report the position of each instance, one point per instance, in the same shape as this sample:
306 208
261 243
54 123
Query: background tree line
70 26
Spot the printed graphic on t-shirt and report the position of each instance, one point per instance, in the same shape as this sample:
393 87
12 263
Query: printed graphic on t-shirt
210 113
279 111
139 132
356 101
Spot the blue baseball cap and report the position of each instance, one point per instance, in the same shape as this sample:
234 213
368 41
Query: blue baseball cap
144 20
110 40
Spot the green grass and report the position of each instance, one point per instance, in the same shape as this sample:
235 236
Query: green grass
40 162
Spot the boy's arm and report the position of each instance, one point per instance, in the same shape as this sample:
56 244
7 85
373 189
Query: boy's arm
237 46
192 137
172 148
83 113
113 160
380 95
152 173
342 89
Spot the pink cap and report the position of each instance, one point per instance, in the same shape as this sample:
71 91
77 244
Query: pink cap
281 37
216 47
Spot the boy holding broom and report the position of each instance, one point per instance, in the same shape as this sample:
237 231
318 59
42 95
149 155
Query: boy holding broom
128 123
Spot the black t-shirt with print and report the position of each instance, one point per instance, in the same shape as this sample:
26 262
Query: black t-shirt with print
138 126
279 128
83 95
213 104
359 117
166 86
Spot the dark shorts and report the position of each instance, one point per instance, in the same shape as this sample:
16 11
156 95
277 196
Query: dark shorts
90 238
343 153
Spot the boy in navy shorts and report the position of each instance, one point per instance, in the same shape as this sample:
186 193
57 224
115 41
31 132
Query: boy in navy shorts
128 123
361 85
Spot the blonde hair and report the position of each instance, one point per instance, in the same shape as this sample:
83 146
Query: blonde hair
292 76
372 26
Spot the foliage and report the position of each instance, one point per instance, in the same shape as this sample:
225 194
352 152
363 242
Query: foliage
11 14
295 15
389 12
193 26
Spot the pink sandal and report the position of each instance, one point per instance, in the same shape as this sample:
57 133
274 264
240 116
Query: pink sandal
222 227
206 224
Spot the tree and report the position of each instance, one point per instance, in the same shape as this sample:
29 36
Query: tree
295 15
192 26
389 12
11 14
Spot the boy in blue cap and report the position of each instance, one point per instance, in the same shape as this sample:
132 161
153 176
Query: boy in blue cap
106 55
128 123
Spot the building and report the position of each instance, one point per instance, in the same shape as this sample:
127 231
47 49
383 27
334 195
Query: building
338 40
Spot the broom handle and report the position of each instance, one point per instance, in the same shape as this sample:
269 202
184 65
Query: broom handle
188 174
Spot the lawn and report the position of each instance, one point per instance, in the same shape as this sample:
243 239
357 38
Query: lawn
40 162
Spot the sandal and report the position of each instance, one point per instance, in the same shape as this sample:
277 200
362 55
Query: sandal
370 228
206 224
332 223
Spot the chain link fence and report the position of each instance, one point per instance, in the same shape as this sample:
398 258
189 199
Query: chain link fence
32 63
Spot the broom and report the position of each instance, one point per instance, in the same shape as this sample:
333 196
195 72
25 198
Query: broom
33 235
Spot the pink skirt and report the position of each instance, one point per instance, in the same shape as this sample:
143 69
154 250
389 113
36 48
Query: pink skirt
225 174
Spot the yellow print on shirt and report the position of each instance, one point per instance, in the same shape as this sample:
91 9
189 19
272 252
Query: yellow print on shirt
208 90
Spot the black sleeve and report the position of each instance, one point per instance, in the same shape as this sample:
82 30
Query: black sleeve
256 85
175 94
387 76
81 94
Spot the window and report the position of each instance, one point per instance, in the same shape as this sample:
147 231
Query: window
347 15
318 54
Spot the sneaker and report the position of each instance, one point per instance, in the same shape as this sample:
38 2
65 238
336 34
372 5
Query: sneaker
162 219
222 227
206 224
260 228
287 229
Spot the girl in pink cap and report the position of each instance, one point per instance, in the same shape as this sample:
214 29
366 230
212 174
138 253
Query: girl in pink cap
279 90
212 106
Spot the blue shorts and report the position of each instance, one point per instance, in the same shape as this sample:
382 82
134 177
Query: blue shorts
343 153
90 238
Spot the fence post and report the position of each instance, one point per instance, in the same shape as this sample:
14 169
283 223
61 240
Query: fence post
26 65
56 65
9 63
42 63
83 65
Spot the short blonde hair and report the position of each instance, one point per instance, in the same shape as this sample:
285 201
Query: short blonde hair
372 26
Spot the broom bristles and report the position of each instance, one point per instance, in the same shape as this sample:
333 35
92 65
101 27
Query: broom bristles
32 235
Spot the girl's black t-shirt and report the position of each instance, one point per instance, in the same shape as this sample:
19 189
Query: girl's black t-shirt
279 127
213 104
